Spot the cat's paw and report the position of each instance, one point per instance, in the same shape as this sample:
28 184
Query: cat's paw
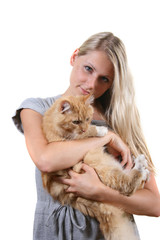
140 162
142 166
101 131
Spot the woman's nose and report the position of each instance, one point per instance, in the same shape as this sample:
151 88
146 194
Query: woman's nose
91 82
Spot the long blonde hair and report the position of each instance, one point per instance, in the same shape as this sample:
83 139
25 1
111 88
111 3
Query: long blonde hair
118 102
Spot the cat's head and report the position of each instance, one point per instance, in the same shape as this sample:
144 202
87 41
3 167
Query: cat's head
75 114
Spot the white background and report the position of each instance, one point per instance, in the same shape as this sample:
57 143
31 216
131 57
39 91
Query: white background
36 42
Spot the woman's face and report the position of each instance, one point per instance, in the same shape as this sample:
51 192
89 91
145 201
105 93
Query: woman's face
91 73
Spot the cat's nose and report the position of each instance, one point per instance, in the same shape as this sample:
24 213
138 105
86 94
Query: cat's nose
83 130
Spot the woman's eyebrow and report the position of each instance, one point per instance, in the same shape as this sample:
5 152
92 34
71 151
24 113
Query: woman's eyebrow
91 65
107 76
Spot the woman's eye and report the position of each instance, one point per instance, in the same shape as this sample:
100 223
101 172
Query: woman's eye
105 79
88 69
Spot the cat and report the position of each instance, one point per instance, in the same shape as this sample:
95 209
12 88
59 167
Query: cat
69 118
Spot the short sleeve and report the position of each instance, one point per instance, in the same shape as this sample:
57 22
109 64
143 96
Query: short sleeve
39 105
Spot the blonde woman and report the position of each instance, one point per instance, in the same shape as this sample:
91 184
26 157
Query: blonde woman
98 66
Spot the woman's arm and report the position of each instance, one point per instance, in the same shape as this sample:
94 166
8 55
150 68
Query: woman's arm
143 202
60 155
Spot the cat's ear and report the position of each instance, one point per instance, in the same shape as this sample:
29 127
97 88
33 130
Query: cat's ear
89 99
65 107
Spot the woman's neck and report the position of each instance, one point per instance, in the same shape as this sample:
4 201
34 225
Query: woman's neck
97 115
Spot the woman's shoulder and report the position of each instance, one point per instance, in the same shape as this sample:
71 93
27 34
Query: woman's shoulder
39 105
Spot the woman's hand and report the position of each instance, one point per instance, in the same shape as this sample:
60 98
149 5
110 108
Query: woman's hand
87 184
118 148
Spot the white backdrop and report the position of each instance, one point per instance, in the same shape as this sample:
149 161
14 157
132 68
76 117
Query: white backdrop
37 39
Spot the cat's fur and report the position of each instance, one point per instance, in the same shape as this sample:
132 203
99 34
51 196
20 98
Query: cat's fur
69 118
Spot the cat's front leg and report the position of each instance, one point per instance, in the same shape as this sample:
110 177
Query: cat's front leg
96 131
101 131
142 166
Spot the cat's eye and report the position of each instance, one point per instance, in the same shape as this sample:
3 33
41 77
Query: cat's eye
87 119
76 122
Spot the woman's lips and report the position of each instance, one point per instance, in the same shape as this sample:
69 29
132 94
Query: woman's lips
84 92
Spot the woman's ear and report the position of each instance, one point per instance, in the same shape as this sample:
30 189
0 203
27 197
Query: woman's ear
74 56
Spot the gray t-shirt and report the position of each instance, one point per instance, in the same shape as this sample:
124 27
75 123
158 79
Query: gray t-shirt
52 220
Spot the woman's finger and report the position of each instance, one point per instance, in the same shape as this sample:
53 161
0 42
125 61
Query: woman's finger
71 173
86 167
127 161
62 180
123 149
129 164
124 159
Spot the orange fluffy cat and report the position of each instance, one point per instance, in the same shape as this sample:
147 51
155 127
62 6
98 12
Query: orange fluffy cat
70 118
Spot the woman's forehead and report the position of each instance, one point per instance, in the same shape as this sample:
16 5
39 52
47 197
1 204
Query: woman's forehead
99 61
96 57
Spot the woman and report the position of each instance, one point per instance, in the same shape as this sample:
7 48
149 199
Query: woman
100 67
